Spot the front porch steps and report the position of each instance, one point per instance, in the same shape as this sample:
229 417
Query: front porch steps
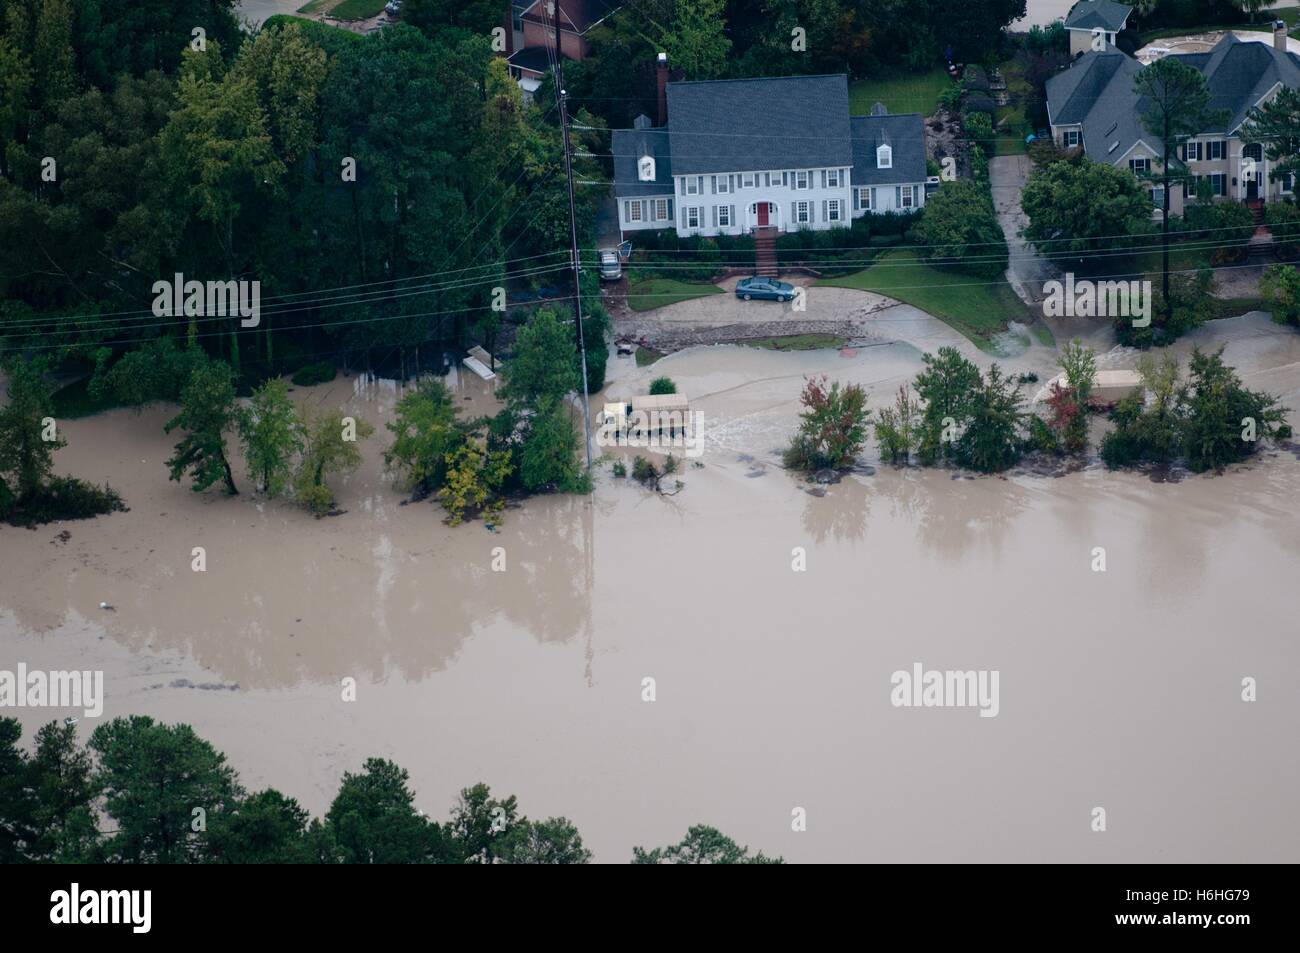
765 251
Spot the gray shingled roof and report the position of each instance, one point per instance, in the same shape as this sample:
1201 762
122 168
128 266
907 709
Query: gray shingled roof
629 146
1094 14
737 125
905 134
1097 91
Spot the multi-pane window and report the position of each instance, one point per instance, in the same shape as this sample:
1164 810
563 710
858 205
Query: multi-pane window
1158 197
1218 183
724 216
1214 150
692 217
864 199
1140 166
801 180
749 181
634 211
907 196
833 179
661 209
1071 138
1287 182
802 212
1192 151
833 211
692 186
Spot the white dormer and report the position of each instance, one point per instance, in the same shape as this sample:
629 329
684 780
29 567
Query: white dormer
884 157
645 169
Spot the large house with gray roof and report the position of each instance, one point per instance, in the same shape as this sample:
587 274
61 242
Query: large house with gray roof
1093 106
736 156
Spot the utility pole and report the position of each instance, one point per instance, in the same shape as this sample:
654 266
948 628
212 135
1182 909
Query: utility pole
573 236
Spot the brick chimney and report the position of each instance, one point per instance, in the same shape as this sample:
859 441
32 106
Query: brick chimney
661 83
1279 35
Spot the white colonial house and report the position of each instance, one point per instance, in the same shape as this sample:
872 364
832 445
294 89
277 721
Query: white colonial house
782 154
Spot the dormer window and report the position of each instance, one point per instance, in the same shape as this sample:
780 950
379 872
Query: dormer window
645 169
884 157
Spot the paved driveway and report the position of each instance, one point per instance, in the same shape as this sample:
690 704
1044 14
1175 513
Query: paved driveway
1026 271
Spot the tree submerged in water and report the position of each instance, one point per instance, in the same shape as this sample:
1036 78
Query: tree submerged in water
833 426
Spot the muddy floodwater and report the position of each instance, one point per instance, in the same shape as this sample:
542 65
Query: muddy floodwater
1118 689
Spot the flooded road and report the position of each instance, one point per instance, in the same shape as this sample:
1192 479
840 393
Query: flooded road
1119 689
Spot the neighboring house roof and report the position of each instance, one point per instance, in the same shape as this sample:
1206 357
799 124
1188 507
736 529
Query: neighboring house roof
740 125
629 145
904 134
575 16
1097 92
1098 14
536 59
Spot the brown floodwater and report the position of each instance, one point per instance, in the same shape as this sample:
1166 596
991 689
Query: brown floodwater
1119 689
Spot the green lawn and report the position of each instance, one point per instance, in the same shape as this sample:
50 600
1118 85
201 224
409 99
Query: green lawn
974 306
357 9
646 356
900 92
798 342
657 292
316 6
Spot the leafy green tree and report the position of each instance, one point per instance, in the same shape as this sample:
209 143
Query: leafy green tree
263 828
1280 287
543 365
272 435
329 448
991 441
474 479
207 412
695 38
1177 107
552 841
1079 365
702 845
548 457
425 431
833 426
947 386
1083 207
157 370
434 16
373 819
1225 422
481 824
16 799
25 455
960 229
896 427
153 777
61 779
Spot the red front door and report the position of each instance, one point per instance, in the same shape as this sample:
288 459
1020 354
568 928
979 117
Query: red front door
762 214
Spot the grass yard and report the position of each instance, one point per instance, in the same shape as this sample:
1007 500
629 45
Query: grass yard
798 342
900 92
358 9
316 6
645 356
976 307
657 292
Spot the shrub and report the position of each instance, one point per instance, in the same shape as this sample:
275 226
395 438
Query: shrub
619 469
1283 219
833 426
643 471
60 498
318 373
960 230
1191 306
662 385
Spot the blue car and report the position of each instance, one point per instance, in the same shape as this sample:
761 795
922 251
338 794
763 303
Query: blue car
764 288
